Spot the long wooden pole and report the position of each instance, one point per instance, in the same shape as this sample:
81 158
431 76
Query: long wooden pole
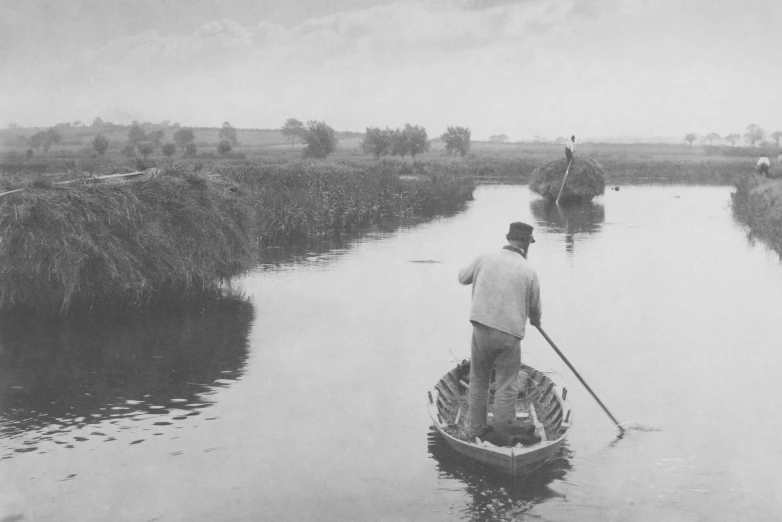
563 181
109 176
562 355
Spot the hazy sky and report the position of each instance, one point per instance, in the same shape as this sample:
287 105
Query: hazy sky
596 68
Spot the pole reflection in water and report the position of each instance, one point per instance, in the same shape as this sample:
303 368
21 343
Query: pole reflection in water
493 496
63 382
572 219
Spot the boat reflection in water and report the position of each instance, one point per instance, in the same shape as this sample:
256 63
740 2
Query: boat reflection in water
494 496
572 219
68 381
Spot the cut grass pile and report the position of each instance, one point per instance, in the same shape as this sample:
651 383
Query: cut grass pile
584 180
122 245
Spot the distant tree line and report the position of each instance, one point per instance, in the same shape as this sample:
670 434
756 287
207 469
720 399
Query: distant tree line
143 139
145 143
753 135
412 140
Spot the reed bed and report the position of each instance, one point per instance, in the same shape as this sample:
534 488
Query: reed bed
122 245
189 229
584 181
756 204
311 200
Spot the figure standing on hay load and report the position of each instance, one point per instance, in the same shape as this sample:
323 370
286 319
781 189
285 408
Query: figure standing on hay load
505 293
763 165
570 149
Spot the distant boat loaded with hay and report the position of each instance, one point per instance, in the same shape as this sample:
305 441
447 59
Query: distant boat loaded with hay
584 180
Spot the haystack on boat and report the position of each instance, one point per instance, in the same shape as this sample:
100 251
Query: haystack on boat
538 401
585 180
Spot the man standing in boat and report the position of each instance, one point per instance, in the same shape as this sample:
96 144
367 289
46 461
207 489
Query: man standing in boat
570 149
505 293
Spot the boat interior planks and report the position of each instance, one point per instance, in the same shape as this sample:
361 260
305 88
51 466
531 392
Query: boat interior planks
539 400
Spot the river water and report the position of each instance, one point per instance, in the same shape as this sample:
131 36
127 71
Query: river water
302 396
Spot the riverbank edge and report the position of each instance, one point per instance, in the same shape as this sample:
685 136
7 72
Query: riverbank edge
757 204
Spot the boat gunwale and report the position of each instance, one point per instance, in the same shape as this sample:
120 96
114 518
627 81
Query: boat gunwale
508 454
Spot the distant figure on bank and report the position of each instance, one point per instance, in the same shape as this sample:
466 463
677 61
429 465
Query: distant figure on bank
505 292
570 149
763 164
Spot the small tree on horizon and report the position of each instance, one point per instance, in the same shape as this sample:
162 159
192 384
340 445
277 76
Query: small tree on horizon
136 134
146 149
732 139
711 137
228 133
168 150
224 148
416 139
399 146
190 150
52 138
183 137
377 142
37 139
689 138
457 140
321 140
499 138
156 137
754 134
776 135
100 144
293 129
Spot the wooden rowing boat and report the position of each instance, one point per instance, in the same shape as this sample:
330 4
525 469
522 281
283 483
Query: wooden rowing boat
539 400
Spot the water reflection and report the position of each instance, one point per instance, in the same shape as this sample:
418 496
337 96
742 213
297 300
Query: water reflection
324 252
69 381
584 217
492 496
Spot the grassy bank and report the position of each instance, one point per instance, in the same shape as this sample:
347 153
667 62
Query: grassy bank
190 228
757 203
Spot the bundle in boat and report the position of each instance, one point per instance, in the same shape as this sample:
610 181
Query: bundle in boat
118 246
585 180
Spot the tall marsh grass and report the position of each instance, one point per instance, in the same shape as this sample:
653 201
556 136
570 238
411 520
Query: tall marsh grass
191 228
757 204
310 200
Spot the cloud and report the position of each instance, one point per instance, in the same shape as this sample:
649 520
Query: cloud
222 34
402 58
385 36
522 68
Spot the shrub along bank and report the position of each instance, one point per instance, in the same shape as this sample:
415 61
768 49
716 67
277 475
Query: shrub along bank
187 230
757 203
